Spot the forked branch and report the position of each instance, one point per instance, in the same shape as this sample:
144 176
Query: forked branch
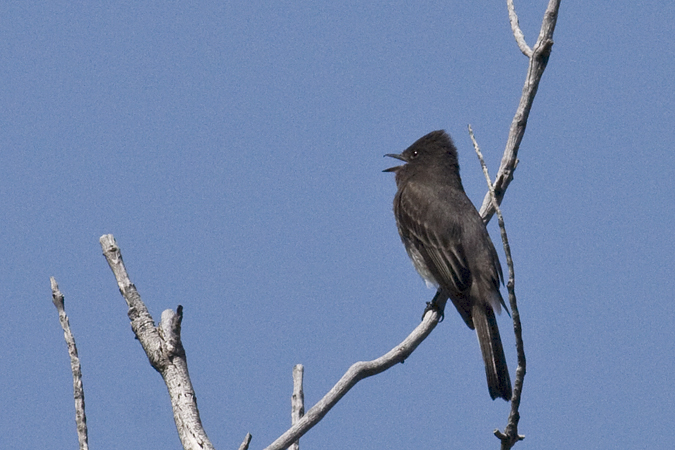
538 60
163 346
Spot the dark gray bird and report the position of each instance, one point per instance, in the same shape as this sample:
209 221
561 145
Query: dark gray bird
449 245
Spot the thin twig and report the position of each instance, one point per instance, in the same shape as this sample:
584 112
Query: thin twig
163 346
511 436
357 372
537 65
517 32
78 389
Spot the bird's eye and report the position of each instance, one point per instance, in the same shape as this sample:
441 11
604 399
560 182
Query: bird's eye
414 154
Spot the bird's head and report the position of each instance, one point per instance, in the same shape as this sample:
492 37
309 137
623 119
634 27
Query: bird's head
435 150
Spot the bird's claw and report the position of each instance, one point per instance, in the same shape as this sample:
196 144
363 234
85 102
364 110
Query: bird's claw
432 306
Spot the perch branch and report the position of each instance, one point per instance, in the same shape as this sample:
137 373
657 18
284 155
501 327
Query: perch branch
357 372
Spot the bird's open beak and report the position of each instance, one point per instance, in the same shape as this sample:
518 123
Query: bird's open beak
394 155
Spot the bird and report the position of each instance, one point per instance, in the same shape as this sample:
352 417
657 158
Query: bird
448 243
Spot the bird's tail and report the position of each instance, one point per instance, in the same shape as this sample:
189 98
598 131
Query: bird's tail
499 382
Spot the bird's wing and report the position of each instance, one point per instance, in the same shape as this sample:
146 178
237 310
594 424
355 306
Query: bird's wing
436 235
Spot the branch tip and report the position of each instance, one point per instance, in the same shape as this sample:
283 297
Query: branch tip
57 296
247 440
75 367
517 32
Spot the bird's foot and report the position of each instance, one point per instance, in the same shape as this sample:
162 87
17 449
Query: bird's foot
432 306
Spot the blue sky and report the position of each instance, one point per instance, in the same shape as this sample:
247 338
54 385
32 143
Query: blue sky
235 152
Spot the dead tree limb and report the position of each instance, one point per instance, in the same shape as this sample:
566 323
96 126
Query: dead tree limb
297 400
163 346
76 368
357 372
511 436
538 60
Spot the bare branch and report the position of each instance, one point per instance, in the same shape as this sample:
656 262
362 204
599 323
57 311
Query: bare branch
538 61
511 436
357 372
517 32
78 389
247 441
164 349
297 400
